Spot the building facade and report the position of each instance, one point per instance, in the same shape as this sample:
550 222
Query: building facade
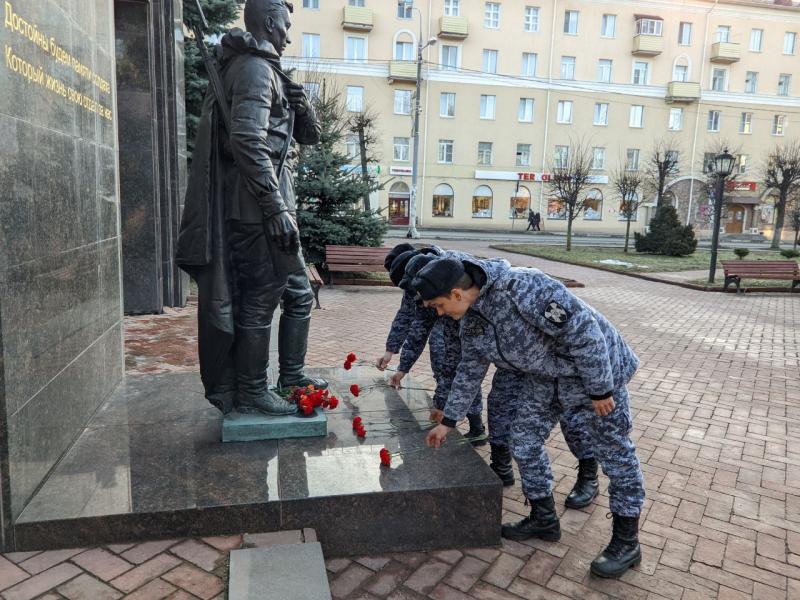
510 86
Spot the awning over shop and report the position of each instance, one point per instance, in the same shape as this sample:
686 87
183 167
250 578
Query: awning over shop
742 200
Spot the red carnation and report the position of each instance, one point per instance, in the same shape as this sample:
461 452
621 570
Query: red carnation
351 357
361 432
354 390
325 403
306 407
356 422
347 365
386 458
333 402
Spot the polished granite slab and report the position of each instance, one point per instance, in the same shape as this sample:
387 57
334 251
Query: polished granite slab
150 465
249 427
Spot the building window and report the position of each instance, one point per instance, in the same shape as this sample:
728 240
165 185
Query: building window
405 9
604 70
556 209
312 90
608 26
632 159
446 151
482 202
723 33
593 205
600 113
789 42
641 73
488 106
756 40
746 123
567 67
779 125
708 161
561 157
485 153
490 61
598 159
355 98
520 203
673 157
741 165
649 27
491 15
571 22
403 50
401 149
685 34
525 110
355 49
529 64
442 205
351 146
452 8
310 45
449 58
713 120
402 102
680 73
312 4
532 19
358 3
784 82
523 155
632 200
637 116
751 82
564 111
447 104
675 119
719 80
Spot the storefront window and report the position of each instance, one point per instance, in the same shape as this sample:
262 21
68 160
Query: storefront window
556 209
398 203
443 201
520 202
593 206
482 202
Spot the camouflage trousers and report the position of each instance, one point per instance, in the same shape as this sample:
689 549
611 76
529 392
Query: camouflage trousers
445 352
533 420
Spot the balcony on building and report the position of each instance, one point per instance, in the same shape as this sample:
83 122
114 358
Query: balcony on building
648 40
357 18
402 70
725 52
683 91
456 28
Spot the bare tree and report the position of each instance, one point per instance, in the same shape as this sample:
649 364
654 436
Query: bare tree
794 219
570 176
662 166
781 174
628 185
362 124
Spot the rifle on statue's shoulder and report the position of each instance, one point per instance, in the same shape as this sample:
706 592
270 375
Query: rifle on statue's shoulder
212 68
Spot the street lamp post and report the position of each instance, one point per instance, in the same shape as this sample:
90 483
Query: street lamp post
722 167
412 204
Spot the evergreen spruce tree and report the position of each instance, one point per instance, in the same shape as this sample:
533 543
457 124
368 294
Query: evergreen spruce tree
330 189
667 235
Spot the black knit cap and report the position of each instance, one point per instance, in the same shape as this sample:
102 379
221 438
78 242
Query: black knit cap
438 278
414 266
398 268
394 253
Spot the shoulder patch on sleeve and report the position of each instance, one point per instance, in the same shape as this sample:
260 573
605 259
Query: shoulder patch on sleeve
555 313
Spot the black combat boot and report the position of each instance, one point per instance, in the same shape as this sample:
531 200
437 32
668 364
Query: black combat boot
477 432
542 523
251 358
501 464
585 488
622 552
292 348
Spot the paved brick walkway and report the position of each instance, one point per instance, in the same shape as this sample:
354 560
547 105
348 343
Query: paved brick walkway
717 423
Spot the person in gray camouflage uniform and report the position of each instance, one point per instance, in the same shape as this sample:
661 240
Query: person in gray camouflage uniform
567 357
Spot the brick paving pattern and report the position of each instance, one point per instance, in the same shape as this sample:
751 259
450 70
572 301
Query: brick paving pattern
717 423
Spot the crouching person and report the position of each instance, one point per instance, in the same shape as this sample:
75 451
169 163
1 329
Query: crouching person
571 359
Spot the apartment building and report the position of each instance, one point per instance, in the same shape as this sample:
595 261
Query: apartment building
509 85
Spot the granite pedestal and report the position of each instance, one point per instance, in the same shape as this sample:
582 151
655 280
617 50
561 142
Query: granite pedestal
151 465
250 427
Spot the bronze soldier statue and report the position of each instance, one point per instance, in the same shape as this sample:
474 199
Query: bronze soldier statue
239 238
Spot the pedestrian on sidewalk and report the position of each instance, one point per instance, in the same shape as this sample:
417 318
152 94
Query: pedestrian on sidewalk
531 220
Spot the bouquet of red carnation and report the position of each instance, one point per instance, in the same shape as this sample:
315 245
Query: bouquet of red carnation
309 398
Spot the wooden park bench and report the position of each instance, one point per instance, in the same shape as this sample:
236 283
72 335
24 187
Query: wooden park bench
316 282
736 270
356 259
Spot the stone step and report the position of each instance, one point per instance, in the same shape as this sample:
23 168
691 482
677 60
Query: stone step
282 572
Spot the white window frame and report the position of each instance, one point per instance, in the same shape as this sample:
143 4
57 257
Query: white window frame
646 72
491 15
312 89
521 150
569 21
311 4
531 19
484 149
405 9
598 165
350 99
315 48
487 56
746 123
561 157
445 146
488 107
788 78
357 3
447 67
779 123
606 31
603 74
684 70
452 8
675 122
790 47
756 43
632 165
526 110
568 68
360 61
401 107
445 102
684 38
755 82
601 112
725 73
564 112
405 149
723 34
408 50
741 164
533 58
714 121
654 27
636 117
351 146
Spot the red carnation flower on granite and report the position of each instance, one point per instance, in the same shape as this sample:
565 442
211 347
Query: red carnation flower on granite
354 390
361 432
306 406
333 402
348 365
351 358
356 422
386 458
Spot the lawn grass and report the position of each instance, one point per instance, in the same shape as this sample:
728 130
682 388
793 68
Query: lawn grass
642 263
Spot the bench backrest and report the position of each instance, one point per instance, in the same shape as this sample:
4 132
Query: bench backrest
355 255
761 267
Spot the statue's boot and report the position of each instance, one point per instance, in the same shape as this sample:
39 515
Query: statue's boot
251 356
292 348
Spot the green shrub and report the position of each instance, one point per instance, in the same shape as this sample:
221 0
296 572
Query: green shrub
667 236
741 252
789 253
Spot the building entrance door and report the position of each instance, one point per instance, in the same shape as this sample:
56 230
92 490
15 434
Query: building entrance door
398 210
735 222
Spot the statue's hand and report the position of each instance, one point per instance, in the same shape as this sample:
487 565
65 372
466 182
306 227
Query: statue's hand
297 97
282 228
